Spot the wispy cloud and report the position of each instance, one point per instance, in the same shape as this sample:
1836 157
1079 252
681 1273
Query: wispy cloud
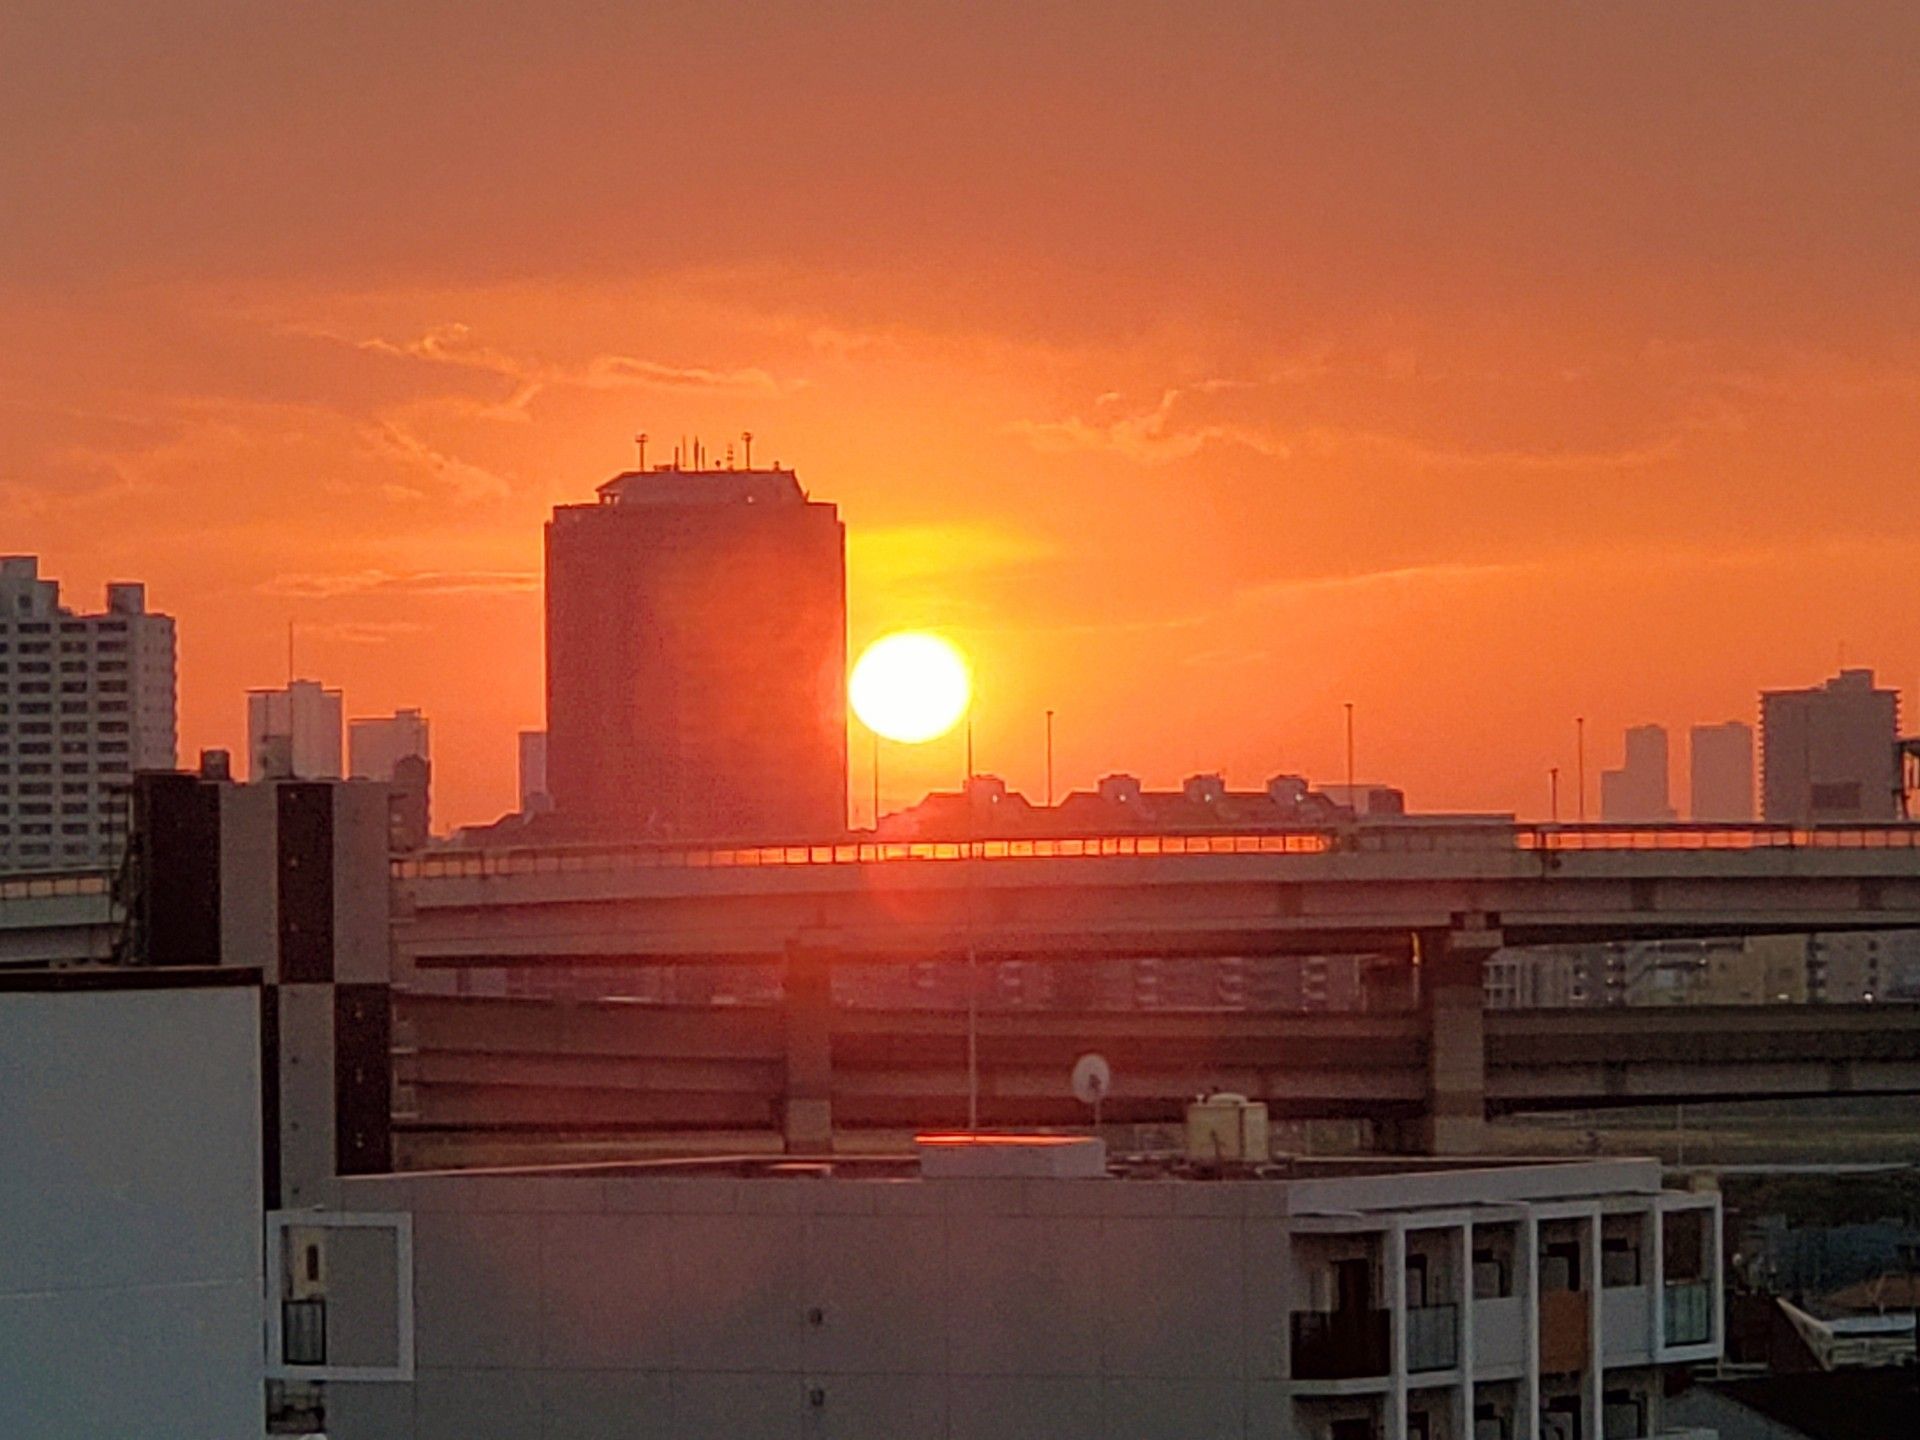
454 345
332 585
362 632
1152 437
467 480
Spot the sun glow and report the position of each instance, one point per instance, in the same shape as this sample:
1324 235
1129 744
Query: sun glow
910 687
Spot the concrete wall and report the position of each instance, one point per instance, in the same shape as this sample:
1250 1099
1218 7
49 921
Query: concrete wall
130 1213
590 1304
992 1310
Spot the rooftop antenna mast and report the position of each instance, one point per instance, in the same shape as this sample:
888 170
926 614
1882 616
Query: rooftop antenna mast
746 440
641 441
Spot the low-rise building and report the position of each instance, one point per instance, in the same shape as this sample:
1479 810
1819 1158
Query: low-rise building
1318 1300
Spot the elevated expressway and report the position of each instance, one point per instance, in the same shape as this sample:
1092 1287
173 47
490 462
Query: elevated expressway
1439 896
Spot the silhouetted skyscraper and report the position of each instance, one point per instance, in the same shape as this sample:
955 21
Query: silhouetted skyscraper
1827 754
1637 791
1720 772
696 658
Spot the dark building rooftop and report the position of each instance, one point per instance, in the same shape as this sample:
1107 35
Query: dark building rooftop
1827 1405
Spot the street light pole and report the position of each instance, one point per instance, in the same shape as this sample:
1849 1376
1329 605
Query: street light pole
1580 763
1353 800
1049 759
973 957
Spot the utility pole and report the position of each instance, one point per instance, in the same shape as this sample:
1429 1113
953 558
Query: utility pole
1580 763
1353 800
973 956
1049 759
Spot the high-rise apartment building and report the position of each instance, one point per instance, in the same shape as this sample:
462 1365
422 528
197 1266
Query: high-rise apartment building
396 750
696 658
294 733
377 743
85 700
1637 791
1827 754
1720 772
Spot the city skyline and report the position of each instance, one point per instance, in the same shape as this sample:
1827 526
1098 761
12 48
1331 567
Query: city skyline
1354 356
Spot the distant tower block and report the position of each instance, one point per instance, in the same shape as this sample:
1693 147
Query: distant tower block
696 658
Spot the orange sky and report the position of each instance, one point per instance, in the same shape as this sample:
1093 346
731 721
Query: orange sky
1482 365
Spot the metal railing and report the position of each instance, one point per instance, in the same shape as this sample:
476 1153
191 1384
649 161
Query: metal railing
1383 839
303 1331
1689 1312
1341 1344
1433 1337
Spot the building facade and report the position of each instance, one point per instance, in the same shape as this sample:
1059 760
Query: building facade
1637 793
1828 754
85 700
696 659
534 798
377 743
1330 1301
294 733
1720 773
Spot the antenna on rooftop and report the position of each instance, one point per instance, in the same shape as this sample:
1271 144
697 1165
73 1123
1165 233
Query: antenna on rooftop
641 441
746 439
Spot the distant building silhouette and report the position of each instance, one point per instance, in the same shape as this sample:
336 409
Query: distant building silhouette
377 743
696 658
534 796
294 733
410 803
1121 806
1828 754
85 700
1637 792
396 749
1720 772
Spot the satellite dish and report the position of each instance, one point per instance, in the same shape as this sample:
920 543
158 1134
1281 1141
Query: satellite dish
1092 1081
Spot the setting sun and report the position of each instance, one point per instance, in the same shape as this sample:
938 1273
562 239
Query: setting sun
910 687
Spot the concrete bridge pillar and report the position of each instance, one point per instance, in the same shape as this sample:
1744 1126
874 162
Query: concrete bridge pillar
807 1111
1453 1003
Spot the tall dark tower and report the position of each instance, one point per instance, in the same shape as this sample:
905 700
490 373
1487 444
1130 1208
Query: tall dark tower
697 659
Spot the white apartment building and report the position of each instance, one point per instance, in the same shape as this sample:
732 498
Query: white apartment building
294 733
377 743
85 700
1037 1299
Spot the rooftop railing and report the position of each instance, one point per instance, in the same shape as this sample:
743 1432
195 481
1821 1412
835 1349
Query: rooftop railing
1389 838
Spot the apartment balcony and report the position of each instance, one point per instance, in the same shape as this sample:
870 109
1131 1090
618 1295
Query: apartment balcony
1565 1346
1342 1344
1626 1323
1433 1338
1689 1312
1499 1335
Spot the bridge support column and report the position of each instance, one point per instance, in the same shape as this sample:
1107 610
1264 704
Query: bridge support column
1453 1000
807 1109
